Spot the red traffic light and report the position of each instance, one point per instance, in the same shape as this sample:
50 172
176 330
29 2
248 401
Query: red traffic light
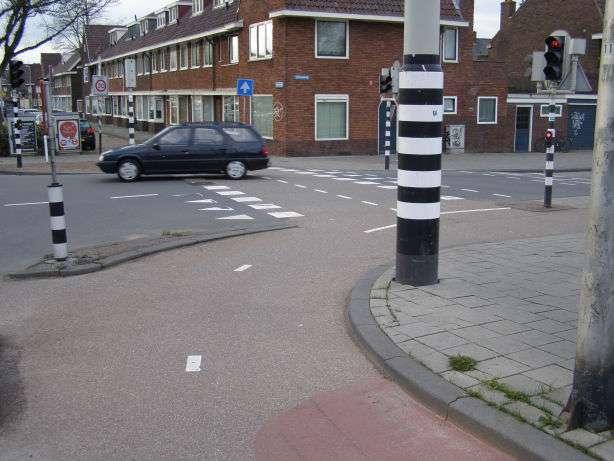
549 135
553 43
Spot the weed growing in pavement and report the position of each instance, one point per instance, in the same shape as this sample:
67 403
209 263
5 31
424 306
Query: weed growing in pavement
176 233
462 363
510 393
549 420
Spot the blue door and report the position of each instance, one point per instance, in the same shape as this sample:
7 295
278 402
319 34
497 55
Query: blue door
523 128
385 107
581 127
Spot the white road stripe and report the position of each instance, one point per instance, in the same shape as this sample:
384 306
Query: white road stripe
386 187
26 203
193 363
365 183
370 231
469 190
217 208
451 197
502 195
216 187
305 172
282 181
134 196
246 199
344 196
242 268
205 200
300 186
237 217
344 179
370 203
320 191
323 176
265 206
229 193
285 214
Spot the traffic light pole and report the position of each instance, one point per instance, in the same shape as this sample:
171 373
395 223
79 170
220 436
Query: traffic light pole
419 146
549 170
387 138
17 129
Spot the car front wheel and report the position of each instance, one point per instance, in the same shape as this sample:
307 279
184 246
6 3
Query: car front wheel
236 170
129 170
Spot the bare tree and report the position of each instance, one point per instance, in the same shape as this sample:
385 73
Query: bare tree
17 15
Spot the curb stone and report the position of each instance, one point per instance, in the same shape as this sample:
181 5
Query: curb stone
130 255
448 400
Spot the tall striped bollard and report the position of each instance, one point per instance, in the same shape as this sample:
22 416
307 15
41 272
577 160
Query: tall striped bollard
55 192
130 119
419 147
17 131
549 170
387 138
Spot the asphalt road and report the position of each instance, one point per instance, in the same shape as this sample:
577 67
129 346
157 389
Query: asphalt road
98 362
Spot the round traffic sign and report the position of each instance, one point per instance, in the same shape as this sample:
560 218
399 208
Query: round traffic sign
101 86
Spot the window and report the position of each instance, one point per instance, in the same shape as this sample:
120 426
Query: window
174 137
331 39
331 117
155 61
197 108
154 106
159 103
231 109
173 58
161 20
144 27
183 109
195 51
108 105
174 106
262 115
208 54
162 57
233 49
138 106
172 15
219 3
147 63
449 104
241 134
139 64
261 40
183 56
115 106
197 6
207 136
487 110
544 110
450 45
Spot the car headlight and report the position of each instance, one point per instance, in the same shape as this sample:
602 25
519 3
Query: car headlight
101 158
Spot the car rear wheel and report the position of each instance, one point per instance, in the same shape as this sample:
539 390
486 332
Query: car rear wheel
236 170
129 170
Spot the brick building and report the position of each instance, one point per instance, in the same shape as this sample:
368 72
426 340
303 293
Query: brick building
523 30
316 68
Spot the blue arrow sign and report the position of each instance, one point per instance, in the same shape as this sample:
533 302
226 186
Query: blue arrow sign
245 87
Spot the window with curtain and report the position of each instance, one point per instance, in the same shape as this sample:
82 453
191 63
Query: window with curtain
231 109
174 103
197 108
449 41
331 39
233 49
183 56
208 53
331 117
162 56
261 40
487 110
159 104
262 115
173 58
195 58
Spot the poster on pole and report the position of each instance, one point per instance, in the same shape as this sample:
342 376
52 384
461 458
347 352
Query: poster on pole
27 135
100 85
69 138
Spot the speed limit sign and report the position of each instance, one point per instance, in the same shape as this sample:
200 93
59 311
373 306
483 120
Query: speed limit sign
100 85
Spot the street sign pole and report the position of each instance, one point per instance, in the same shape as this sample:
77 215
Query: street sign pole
420 118
549 170
17 128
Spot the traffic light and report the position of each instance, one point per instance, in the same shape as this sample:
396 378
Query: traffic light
385 81
549 137
16 74
555 58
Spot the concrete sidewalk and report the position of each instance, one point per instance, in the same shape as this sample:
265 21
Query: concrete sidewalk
512 309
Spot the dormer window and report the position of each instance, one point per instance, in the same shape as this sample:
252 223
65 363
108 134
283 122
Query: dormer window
161 19
173 15
220 3
197 6
144 27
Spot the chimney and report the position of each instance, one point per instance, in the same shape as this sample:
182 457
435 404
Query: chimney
508 8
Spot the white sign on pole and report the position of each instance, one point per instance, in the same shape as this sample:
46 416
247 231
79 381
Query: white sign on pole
100 85
130 73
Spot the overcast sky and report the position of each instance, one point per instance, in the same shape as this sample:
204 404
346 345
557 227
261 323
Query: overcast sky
486 19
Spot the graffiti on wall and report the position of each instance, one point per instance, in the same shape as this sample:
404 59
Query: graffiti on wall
576 123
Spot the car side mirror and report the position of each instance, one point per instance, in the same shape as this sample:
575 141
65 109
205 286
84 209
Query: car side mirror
156 146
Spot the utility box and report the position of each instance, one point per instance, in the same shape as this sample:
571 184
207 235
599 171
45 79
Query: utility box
577 46
537 69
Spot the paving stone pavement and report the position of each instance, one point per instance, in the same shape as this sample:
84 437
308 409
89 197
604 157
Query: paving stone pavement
513 308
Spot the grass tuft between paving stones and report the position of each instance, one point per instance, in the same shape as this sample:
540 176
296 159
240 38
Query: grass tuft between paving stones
462 363
510 393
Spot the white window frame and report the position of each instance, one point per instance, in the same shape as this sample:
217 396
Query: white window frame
155 63
256 26
496 98
182 47
161 20
235 103
443 51
207 43
230 40
173 14
173 51
195 45
334 98
162 66
221 3
196 11
455 98
347 39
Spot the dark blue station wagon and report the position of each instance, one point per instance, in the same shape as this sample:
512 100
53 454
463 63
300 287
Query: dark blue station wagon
191 148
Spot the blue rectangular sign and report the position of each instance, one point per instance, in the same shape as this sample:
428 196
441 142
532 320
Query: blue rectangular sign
301 77
245 87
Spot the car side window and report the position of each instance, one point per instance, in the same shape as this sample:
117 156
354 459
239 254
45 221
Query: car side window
207 136
240 134
176 137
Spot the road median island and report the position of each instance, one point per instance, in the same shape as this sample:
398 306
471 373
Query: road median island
491 347
95 258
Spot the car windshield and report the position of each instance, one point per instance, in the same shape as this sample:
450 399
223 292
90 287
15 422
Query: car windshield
239 134
158 136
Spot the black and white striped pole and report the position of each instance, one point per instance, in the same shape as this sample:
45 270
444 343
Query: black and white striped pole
17 129
549 170
55 192
388 134
130 119
419 146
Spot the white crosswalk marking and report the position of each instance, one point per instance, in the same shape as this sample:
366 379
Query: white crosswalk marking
285 214
502 195
216 187
386 187
217 208
237 217
451 197
230 193
246 199
366 183
265 206
205 200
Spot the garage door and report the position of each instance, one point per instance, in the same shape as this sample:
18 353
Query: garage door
581 127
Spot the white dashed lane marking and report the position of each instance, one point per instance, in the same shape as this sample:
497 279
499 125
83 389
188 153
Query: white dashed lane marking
26 203
366 183
285 214
369 203
134 196
502 195
242 268
246 199
217 208
345 197
193 363
230 193
386 187
469 190
320 191
205 200
300 186
237 217
216 187
265 206
451 197
282 181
